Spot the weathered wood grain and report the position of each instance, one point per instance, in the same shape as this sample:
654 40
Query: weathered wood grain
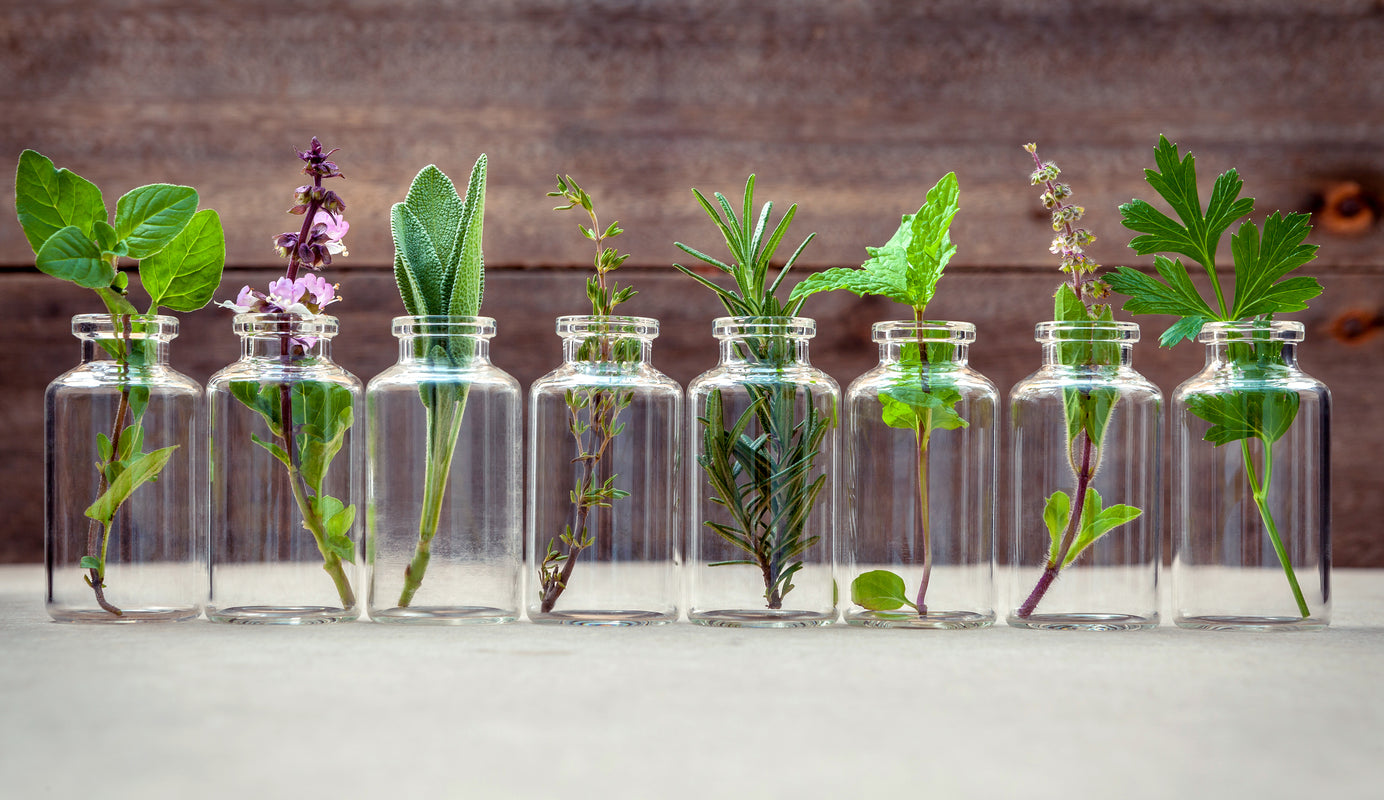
851 108
1005 304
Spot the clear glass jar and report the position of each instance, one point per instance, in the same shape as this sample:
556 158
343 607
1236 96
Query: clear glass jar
603 479
763 427
123 535
444 488
284 521
1252 504
1085 437
917 549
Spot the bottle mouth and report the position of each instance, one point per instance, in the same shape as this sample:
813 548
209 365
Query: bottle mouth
907 331
1086 331
1252 331
741 327
159 327
444 325
320 326
584 325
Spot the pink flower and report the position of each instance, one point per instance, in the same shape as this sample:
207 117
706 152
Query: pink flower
320 293
333 229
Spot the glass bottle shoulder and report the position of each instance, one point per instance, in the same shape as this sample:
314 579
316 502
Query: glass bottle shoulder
408 376
642 377
1053 380
726 376
273 370
108 375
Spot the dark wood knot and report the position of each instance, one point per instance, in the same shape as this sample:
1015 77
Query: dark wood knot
1354 327
1346 209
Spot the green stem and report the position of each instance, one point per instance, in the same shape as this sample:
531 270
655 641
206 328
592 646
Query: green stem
1261 499
923 435
439 469
331 562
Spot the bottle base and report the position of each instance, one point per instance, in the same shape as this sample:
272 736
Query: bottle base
761 618
934 620
1083 622
127 615
1232 622
611 618
443 615
281 615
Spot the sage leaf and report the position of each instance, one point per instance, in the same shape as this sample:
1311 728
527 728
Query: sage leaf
466 267
48 199
185 273
148 218
71 255
879 590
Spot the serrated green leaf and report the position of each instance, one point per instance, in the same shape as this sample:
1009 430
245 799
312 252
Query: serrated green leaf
879 590
72 256
1261 263
1262 414
141 470
148 218
905 269
184 274
47 200
1174 295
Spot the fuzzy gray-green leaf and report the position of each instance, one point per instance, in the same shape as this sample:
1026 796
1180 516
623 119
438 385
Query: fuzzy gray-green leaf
467 268
412 243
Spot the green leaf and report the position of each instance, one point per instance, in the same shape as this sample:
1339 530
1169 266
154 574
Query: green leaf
467 263
1185 328
48 199
337 519
419 258
911 406
1056 514
434 202
1261 414
1261 263
71 255
184 274
274 449
322 413
141 470
1174 295
92 562
1089 411
148 218
1097 521
879 590
905 269
106 239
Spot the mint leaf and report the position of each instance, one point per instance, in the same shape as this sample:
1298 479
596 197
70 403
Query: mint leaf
1260 263
879 590
48 199
1261 414
147 218
905 269
184 274
139 471
71 255
912 407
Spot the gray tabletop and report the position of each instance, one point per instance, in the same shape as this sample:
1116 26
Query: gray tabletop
364 710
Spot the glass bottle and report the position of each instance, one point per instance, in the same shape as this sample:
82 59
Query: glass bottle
763 427
1085 441
444 488
284 520
123 539
604 435
1253 496
918 544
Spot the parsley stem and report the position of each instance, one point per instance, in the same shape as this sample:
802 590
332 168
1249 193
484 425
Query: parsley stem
1261 499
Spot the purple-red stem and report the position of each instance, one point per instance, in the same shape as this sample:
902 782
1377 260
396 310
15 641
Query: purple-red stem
1083 482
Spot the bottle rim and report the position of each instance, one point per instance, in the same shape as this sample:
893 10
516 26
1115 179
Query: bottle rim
584 325
159 327
1252 331
1086 331
321 326
443 325
741 327
908 330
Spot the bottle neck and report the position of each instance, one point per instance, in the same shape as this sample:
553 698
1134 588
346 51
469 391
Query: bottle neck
769 351
607 349
135 341
1231 355
1077 354
436 350
935 354
134 352
281 347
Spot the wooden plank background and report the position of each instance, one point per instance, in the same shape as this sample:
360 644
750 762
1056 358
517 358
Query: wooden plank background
850 108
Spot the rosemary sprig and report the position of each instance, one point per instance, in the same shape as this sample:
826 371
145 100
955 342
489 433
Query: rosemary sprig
761 467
